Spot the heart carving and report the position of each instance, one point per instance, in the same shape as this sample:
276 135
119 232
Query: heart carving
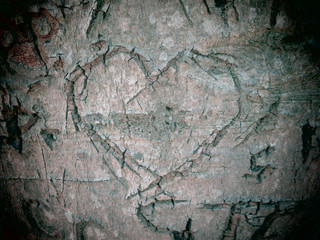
123 108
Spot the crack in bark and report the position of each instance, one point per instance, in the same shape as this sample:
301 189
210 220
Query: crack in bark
260 122
217 206
38 40
45 168
11 119
235 11
206 71
221 133
171 63
266 170
105 14
253 160
94 15
230 232
119 155
259 169
63 6
140 60
233 220
236 213
155 78
59 194
269 219
49 136
37 49
186 234
157 182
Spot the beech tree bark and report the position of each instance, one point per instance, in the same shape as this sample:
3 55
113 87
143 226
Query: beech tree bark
159 119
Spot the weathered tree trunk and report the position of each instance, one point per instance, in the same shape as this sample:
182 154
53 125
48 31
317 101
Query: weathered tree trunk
182 119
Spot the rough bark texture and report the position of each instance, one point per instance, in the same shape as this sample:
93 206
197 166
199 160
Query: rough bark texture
185 119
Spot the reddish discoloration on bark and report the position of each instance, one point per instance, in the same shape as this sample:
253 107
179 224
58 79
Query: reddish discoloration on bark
58 65
27 44
25 53
44 13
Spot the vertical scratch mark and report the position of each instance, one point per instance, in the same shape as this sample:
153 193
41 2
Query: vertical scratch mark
45 168
94 15
235 11
63 179
231 230
207 7
185 12
67 109
105 14
39 174
111 171
94 145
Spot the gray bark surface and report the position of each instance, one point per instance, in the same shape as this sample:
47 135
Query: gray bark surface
157 120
